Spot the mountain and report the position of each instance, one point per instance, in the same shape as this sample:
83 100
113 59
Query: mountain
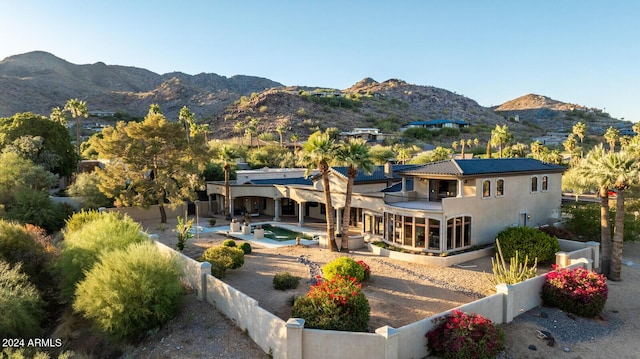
553 115
38 81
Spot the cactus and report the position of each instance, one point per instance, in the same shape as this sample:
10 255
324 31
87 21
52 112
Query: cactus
516 272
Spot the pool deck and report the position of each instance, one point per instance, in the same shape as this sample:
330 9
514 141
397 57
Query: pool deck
266 242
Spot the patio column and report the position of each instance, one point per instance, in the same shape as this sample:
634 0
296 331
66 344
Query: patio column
404 184
276 202
231 207
300 213
338 220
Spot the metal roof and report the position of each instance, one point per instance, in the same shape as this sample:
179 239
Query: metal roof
283 181
478 166
377 174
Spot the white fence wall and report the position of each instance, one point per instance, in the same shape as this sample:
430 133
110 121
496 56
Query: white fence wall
289 340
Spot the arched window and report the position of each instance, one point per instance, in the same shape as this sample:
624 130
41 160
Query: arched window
486 188
534 184
545 183
500 187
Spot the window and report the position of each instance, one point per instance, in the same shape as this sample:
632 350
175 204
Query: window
500 187
458 232
486 188
545 183
534 184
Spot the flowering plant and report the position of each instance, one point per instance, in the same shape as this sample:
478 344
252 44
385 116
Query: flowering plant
461 335
577 291
367 270
335 304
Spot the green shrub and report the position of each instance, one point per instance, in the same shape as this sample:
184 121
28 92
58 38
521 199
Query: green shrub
529 242
223 258
130 291
83 217
183 229
460 336
558 232
20 303
336 304
229 243
576 291
583 220
284 281
18 246
246 247
212 222
344 266
48 215
82 247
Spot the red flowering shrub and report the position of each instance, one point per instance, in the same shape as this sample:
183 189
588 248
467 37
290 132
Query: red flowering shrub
367 270
336 304
576 291
462 336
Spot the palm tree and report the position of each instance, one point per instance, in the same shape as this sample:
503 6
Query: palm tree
636 128
227 155
501 136
294 138
580 130
57 116
318 151
280 130
536 149
590 168
251 130
189 119
611 136
622 169
78 110
355 155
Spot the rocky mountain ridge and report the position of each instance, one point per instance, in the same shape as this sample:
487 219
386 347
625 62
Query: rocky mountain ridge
38 81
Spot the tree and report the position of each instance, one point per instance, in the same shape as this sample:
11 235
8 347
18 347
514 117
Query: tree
57 116
294 138
536 149
355 155
636 128
151 162
590 168
281 129
611 136
55 152
78 110
580 130
86 188
381 154
621 168
319 151
500 136
227 156
189 119
251 130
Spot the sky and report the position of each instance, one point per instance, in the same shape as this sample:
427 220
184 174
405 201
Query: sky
584 52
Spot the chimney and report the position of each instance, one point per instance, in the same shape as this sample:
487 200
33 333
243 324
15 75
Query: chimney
388 169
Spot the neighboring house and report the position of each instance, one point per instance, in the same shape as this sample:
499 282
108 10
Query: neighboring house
367 134
436 124
439 207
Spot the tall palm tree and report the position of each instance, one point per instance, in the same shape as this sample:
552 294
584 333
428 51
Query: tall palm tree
57 116
611 136
536 149
355 155
281 129
590 168
319 151
189 119
622 169
294 138
78 110
501 136
580 130
227 155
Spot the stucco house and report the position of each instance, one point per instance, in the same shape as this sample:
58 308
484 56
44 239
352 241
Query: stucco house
436 124
438 207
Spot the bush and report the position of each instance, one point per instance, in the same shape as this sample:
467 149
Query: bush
576 291
529 242
367 270
229 243
460 336
18 245
20 303
516 272
130 291
212 222
82 247
558 232
284 281
246 247
223 258
343 266
48 215
336 304
83 217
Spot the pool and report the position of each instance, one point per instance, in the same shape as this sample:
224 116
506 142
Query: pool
282 234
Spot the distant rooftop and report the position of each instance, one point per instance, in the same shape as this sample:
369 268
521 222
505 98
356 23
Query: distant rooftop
478 166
